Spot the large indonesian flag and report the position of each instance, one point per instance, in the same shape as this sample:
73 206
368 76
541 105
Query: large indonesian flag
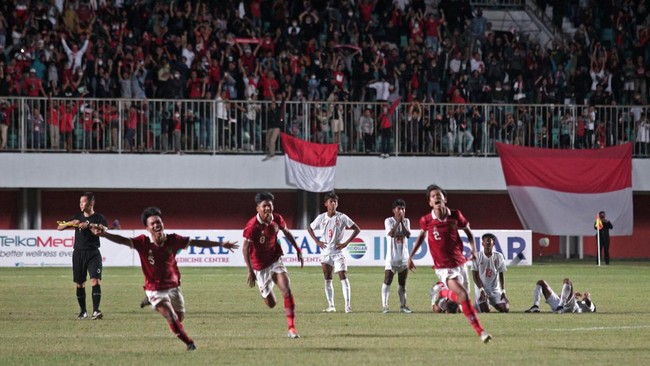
556 192
309 166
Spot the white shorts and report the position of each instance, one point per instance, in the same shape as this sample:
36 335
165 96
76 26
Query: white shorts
570 307
459 273
337 260
493 296
396 267
264 277
173 295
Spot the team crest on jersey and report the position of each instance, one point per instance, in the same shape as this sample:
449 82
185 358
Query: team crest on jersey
276 228
453 225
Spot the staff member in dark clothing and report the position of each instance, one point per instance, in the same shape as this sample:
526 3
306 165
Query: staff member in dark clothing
86 257
603 232
275 123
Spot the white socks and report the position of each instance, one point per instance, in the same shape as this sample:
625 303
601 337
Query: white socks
566 293
345 285
329 292
537 293
401 290
385 292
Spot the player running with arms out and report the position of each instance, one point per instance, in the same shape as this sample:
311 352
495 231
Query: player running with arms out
263 256
567 302
440 227
443 300
331 226
86 257
398 230
162 279
490 290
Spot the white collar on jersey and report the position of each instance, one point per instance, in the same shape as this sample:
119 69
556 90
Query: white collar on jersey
259 219
153 241
433 214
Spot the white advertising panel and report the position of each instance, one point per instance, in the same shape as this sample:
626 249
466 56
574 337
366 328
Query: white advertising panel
20 248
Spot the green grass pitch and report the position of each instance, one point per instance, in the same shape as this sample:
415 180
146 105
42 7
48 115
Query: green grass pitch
232 326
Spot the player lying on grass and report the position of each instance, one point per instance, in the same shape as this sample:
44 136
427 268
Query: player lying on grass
567 302
443 300
162 279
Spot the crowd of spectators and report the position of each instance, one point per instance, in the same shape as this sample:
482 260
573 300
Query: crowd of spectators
425 51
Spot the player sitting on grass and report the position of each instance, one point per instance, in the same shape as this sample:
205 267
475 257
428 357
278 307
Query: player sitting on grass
567 302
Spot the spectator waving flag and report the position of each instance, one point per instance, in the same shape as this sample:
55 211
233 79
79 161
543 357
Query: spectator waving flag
309 166
556 192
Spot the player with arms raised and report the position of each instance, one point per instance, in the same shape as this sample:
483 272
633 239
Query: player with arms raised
263 256
162 279
440 227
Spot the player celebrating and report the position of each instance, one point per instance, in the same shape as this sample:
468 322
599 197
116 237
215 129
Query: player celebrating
443 300
263 256
398 230
567 302
86 257
162 279
489 290
331 225
441 227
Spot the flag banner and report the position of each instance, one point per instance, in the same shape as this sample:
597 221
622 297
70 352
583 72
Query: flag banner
556 192
599 223
309 166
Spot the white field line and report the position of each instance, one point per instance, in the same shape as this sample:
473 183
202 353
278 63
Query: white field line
591 328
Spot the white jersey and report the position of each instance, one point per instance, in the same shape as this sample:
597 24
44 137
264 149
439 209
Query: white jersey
331 230
488 269
398 253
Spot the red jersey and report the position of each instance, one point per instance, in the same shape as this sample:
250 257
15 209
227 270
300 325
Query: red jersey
265 249
53 117
132 119
159 262
445 245
195 87
33 86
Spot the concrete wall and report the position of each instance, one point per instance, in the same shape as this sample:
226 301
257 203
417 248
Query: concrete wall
235 172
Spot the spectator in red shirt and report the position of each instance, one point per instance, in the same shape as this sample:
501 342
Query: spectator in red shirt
53 124
33 86
67 124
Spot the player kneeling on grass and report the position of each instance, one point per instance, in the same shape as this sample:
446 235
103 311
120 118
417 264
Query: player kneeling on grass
162 279
443 300
567 302
263 256
490 290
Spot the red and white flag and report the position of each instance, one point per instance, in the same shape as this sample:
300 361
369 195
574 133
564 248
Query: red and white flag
556 192
309 166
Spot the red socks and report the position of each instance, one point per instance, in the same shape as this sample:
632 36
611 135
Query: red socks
470 314
178 329
289 308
